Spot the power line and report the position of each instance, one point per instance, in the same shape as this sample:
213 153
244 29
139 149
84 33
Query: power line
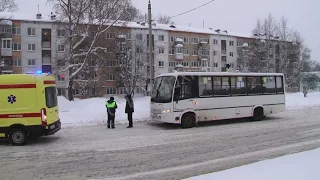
192 9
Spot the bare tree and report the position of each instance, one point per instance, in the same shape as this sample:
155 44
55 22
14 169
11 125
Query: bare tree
164 19
133 63
81 19
8 6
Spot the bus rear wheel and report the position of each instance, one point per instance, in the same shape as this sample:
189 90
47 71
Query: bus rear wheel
258 114
188 120
17 137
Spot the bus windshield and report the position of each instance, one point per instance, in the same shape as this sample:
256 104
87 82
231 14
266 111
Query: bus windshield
163 89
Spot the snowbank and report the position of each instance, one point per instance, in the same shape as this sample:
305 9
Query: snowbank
297 101
93 111
298 166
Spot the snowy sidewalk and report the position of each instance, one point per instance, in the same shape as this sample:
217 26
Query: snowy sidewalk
300 166
93 111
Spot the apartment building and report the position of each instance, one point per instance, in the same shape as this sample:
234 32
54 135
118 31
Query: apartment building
224 51
34 42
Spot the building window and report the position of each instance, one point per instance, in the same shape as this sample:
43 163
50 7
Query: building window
214 53
204 63
122 90
194 40
6 44
171 51
194 64
110 90
231 43
17 62
186 40
111 63
186 52
161 63
31 62
16 30
215 64
161 50
185 64
139 37
239 43
172 39
31 47
173 63
16 46
110 77
61 48
110 35
179 50
215 41
31 31
231 54
205 40
195 52
61 32
161 37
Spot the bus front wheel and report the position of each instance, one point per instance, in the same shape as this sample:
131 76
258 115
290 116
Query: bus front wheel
188 120
258 114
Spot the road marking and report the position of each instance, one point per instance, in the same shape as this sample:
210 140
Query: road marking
206 163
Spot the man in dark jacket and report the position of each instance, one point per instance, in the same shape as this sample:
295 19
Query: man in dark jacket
129 109
111 106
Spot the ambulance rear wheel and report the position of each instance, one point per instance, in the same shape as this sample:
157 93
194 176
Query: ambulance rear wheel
17 137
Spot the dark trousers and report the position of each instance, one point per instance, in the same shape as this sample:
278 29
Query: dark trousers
110 119
130 119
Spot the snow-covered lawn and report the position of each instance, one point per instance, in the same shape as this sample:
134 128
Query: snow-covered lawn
93 111
300 166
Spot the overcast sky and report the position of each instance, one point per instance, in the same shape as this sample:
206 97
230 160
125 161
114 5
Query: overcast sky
237 16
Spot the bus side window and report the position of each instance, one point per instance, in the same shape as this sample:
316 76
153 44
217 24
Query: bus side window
187 87
269 85
238 85
279 82
205 86
254 85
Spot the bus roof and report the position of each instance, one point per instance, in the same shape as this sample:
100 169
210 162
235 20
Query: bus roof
219 74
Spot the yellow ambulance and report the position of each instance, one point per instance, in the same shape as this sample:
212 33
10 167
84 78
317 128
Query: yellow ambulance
28 107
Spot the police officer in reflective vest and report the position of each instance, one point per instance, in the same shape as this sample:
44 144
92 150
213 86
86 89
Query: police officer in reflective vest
111 106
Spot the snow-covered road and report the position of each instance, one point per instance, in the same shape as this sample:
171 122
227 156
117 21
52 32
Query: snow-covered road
160 151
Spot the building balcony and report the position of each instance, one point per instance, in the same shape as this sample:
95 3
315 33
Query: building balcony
6 52
46 60
179 56
5 67
46 45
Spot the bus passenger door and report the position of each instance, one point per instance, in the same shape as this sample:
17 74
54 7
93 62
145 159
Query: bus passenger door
184 94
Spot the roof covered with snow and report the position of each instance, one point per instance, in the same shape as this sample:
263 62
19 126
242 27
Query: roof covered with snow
137 25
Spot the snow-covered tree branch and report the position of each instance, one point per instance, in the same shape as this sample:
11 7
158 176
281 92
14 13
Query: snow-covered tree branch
85 22
132 56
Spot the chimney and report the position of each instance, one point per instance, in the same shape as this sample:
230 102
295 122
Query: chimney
39 16
53 16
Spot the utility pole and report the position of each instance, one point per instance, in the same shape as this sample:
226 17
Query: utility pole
150 45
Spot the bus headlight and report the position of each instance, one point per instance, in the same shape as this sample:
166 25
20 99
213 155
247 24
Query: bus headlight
165 111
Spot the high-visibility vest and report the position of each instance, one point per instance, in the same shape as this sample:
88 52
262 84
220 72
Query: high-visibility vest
111 105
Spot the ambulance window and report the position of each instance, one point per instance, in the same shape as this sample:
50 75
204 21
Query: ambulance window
51 97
